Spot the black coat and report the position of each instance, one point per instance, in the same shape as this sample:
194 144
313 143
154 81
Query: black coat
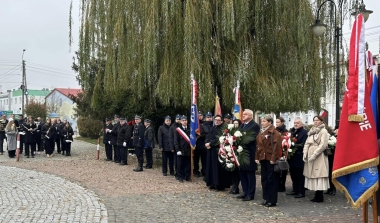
301 136
67 134
20 128
124 134
281 129
29 136
149 137
163 137
37 134
138 135
58 129
252 128
114 132
107 136
172 131
180 143
205 130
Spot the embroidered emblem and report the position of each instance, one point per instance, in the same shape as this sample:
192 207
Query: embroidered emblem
372 170
362 180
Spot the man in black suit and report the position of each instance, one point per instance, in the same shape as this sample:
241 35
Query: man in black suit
247 173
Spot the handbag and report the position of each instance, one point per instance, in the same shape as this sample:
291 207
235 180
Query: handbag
280 165
328 151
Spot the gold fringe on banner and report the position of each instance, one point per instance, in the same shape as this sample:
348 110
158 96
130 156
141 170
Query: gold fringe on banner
355 118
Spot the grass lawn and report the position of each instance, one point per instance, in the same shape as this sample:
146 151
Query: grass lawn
93 141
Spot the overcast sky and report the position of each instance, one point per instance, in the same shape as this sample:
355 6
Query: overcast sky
41 28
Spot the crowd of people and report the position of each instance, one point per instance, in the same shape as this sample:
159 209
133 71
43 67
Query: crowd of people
35 136
309 166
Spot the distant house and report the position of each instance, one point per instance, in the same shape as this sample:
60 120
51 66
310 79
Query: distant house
58 101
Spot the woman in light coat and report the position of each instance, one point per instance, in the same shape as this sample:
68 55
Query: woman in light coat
316 170
11 131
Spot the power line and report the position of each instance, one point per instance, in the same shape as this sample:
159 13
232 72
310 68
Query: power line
52 71
48 67
9 72
369 28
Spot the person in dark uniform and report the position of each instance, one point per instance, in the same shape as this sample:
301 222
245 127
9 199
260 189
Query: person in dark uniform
164 143
247 173
3 125
37 135
182 146
51 137
281 128
217 177
45 133
67 135
20 129
107 137
57 137
228 119
295 162
30 128
124 133
114 132
138 142
172 130
200 149
148 143
63 139
235 174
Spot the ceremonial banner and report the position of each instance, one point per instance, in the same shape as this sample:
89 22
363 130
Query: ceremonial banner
356 153
218 109
194 120
373 86
237 108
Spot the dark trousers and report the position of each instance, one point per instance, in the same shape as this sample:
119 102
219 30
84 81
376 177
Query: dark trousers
68 148
22 140
58 142
184 169
331 160
282 180
140 156
149 157
48 148
178 161
123 154
11 153
167 155
235 180
269 181
175 163
63 145
108 149
32 147
298 180
202 155
117 157
248 182
2 137
39 146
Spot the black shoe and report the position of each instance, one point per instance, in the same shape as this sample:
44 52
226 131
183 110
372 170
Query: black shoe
117 161
328 191
122 163
291 193
234 191
32 156
180 180
241 196
264 203
197 175
270 205
333 192
165 174
171 174
247 198
138 169
299 196
148 167
108 159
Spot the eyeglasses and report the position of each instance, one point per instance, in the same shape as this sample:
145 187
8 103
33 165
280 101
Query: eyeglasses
218 120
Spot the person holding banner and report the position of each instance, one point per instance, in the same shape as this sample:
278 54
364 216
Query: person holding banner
316 170
182 146
216 176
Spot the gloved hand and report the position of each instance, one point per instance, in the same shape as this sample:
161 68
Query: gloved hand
109 142
124 144
179 153
109 131
304 158
312 158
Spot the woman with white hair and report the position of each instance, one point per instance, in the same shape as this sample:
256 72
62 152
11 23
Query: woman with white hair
11 131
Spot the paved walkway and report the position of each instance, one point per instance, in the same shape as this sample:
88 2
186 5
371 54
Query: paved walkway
127 196
30 196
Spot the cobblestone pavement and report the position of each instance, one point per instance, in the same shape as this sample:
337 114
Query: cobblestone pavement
30 196
150 197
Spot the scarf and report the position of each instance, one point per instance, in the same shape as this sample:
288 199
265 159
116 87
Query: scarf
316 129
262 130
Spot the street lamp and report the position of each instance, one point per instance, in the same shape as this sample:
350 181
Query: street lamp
319 28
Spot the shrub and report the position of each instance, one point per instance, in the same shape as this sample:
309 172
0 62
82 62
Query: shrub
89 127
36 109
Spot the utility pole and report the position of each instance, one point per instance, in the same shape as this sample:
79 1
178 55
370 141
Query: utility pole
23 84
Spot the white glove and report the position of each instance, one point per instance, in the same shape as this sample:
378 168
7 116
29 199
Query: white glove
124 144
179 153
312 158
109 142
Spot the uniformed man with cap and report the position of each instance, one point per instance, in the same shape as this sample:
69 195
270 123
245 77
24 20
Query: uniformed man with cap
148 143
172 130
164 143
107 137
138 142
201 150
183 150
123 135
114 131
200 116
228 119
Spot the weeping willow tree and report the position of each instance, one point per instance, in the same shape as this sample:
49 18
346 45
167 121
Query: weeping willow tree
149 49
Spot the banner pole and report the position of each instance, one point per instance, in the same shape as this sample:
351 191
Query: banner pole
374 208
365 211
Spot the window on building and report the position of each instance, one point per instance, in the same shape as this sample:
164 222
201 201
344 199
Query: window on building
11 101
6 101
15 100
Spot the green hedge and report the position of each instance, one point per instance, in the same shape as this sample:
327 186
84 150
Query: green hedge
89 127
